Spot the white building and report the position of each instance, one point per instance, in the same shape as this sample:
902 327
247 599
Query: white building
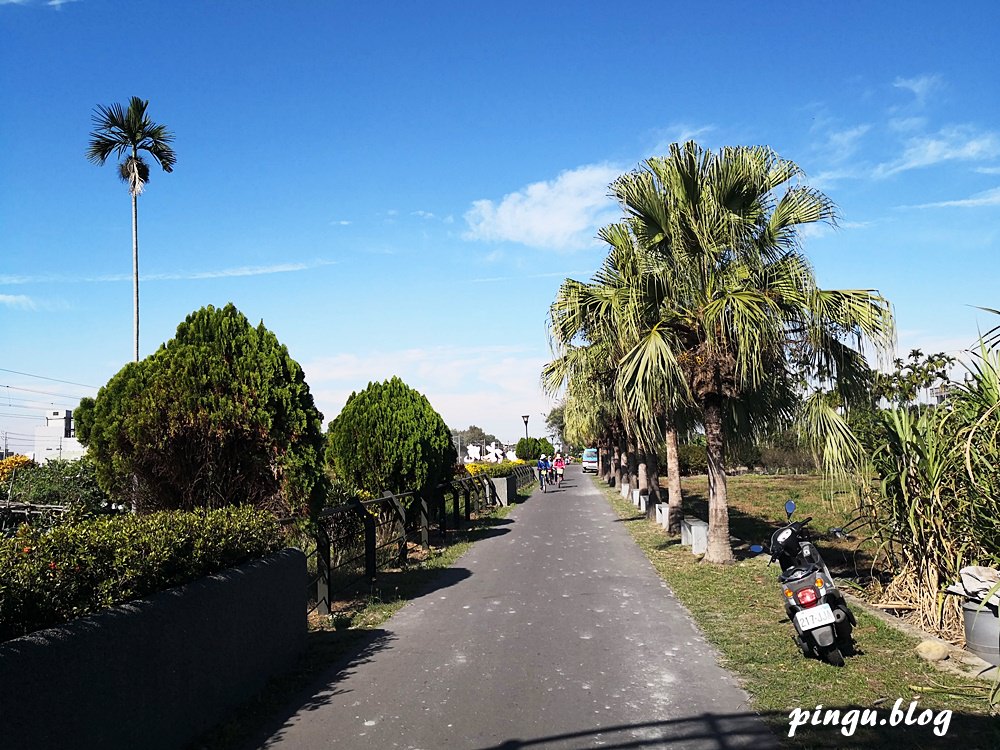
55 439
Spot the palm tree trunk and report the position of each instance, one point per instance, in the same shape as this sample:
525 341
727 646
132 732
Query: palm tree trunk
674 496
616 466
603 461
719 548
642 471
652 484
135 274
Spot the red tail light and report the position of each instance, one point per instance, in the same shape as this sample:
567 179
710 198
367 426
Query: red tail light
806 597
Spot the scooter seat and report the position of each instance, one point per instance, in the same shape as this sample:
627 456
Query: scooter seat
794 574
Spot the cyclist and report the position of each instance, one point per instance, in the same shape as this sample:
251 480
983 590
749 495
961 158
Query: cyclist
543 470
560 467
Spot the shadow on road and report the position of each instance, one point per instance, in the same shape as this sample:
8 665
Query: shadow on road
355 649
704 731
844 729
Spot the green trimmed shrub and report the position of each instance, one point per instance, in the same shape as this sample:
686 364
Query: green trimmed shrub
51 576
388 437
529 449
219 415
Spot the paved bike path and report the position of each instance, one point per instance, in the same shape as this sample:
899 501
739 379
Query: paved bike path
557 634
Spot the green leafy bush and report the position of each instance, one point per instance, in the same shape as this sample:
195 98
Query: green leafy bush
70 484
50 576
529 449
692 459
388 437
219 415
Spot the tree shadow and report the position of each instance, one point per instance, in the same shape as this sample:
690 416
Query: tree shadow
845 727
330 656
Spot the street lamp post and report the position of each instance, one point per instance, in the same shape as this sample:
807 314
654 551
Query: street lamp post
525 418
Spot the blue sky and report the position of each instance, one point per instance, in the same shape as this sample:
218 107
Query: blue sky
400 188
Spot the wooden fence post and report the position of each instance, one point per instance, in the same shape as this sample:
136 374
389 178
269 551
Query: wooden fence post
322 570
369 524
397 506
425 523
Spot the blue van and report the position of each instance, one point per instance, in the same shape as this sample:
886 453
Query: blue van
589 460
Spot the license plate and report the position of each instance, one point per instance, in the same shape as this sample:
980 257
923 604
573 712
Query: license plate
814 617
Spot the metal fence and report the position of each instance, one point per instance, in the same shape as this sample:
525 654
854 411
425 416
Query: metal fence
356 541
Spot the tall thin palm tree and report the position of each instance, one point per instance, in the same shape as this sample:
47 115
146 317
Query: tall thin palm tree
126 133
745 318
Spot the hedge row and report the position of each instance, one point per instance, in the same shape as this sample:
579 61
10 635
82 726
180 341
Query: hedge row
51 576
502 469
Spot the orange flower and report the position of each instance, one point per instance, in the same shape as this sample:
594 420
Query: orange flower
52 565
27 550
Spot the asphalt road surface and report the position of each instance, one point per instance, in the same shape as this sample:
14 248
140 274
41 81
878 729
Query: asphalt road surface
554 633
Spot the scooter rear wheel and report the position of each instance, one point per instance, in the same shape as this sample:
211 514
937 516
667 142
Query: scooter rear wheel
833 657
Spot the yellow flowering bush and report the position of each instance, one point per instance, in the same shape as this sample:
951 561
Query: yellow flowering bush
501 469
11 464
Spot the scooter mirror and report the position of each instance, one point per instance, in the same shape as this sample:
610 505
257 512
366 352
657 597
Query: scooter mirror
756 549
790 508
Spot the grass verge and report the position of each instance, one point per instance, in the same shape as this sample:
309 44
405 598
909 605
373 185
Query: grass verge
738 608
351 633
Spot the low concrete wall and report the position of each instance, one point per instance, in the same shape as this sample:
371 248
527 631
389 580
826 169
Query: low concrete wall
157 672
506 489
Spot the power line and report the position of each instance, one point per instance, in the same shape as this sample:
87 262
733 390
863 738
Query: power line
44 393
43 377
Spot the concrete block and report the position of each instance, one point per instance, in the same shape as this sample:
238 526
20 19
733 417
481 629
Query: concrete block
694 533
505 489
642 502
624 489
663 515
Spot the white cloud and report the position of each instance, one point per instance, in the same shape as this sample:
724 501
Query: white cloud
960 143
680 133
226 273
907 124
423 214
988 170
222 273
814 231
560 214
340 223
491 386
563 274
830 177
843 144
986 198
921 86
17 301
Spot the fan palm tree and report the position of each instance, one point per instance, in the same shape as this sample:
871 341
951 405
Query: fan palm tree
609 312
745 320
126 133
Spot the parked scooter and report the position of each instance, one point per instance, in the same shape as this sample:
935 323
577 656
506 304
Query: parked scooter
816 607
